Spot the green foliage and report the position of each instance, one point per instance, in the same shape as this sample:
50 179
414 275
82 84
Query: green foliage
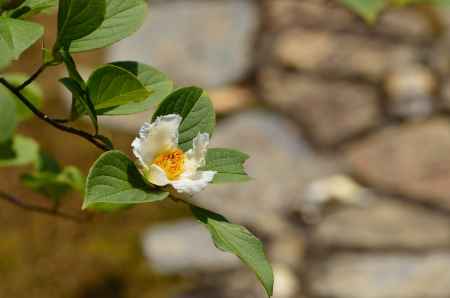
426 2
6 5
125 17
32 92
6 53
49 180
196 110
157 83
8 118
238 240
29 8
77 19
51 185
228 163
15 37
81 98
111 86
71 67
370 9
18 151
114 179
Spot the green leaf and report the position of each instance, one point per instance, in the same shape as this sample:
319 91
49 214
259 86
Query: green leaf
7 56
368 9
46 163
228 163
111 86
46 184
72 176
50 181
153 80
114 179
18 151
419 2
32 7
122 19
10 4
16 36
81 97
77 19
32 92
238 240
196 109
8 118
110 208
72 68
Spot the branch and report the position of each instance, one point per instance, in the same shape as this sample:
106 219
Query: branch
32 78
91 138
38 209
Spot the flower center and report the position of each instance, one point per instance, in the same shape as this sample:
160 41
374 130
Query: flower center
172 162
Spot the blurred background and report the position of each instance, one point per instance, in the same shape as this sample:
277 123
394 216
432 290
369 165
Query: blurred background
347 127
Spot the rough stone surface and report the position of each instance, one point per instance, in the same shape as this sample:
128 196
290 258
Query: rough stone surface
342 55
231 99
446 95
410 90
243 284
287 246
383 276
384 223
411 160
281 164
410 24
402 24
331 111
283 13
184 246
201 42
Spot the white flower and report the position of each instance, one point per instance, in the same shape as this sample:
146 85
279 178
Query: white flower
164 163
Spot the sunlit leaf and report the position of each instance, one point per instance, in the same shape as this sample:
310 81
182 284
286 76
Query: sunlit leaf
114 179
238 240
122 18
111 86
228 163
196 110
18 151
77 19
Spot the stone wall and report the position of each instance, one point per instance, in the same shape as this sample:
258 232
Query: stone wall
350 147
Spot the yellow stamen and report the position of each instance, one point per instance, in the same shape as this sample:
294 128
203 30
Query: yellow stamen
172 162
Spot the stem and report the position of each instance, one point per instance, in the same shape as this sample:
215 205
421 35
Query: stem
91 138
38 209
61 120
33 77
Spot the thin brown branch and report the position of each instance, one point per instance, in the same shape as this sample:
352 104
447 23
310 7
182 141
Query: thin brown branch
87 136
32 78
39 209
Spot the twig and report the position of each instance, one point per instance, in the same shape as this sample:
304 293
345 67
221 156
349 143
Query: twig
38 209
32 78
61 120
91 138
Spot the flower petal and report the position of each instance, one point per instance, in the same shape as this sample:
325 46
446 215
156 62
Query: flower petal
156 137
193 184
195 157
157 176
